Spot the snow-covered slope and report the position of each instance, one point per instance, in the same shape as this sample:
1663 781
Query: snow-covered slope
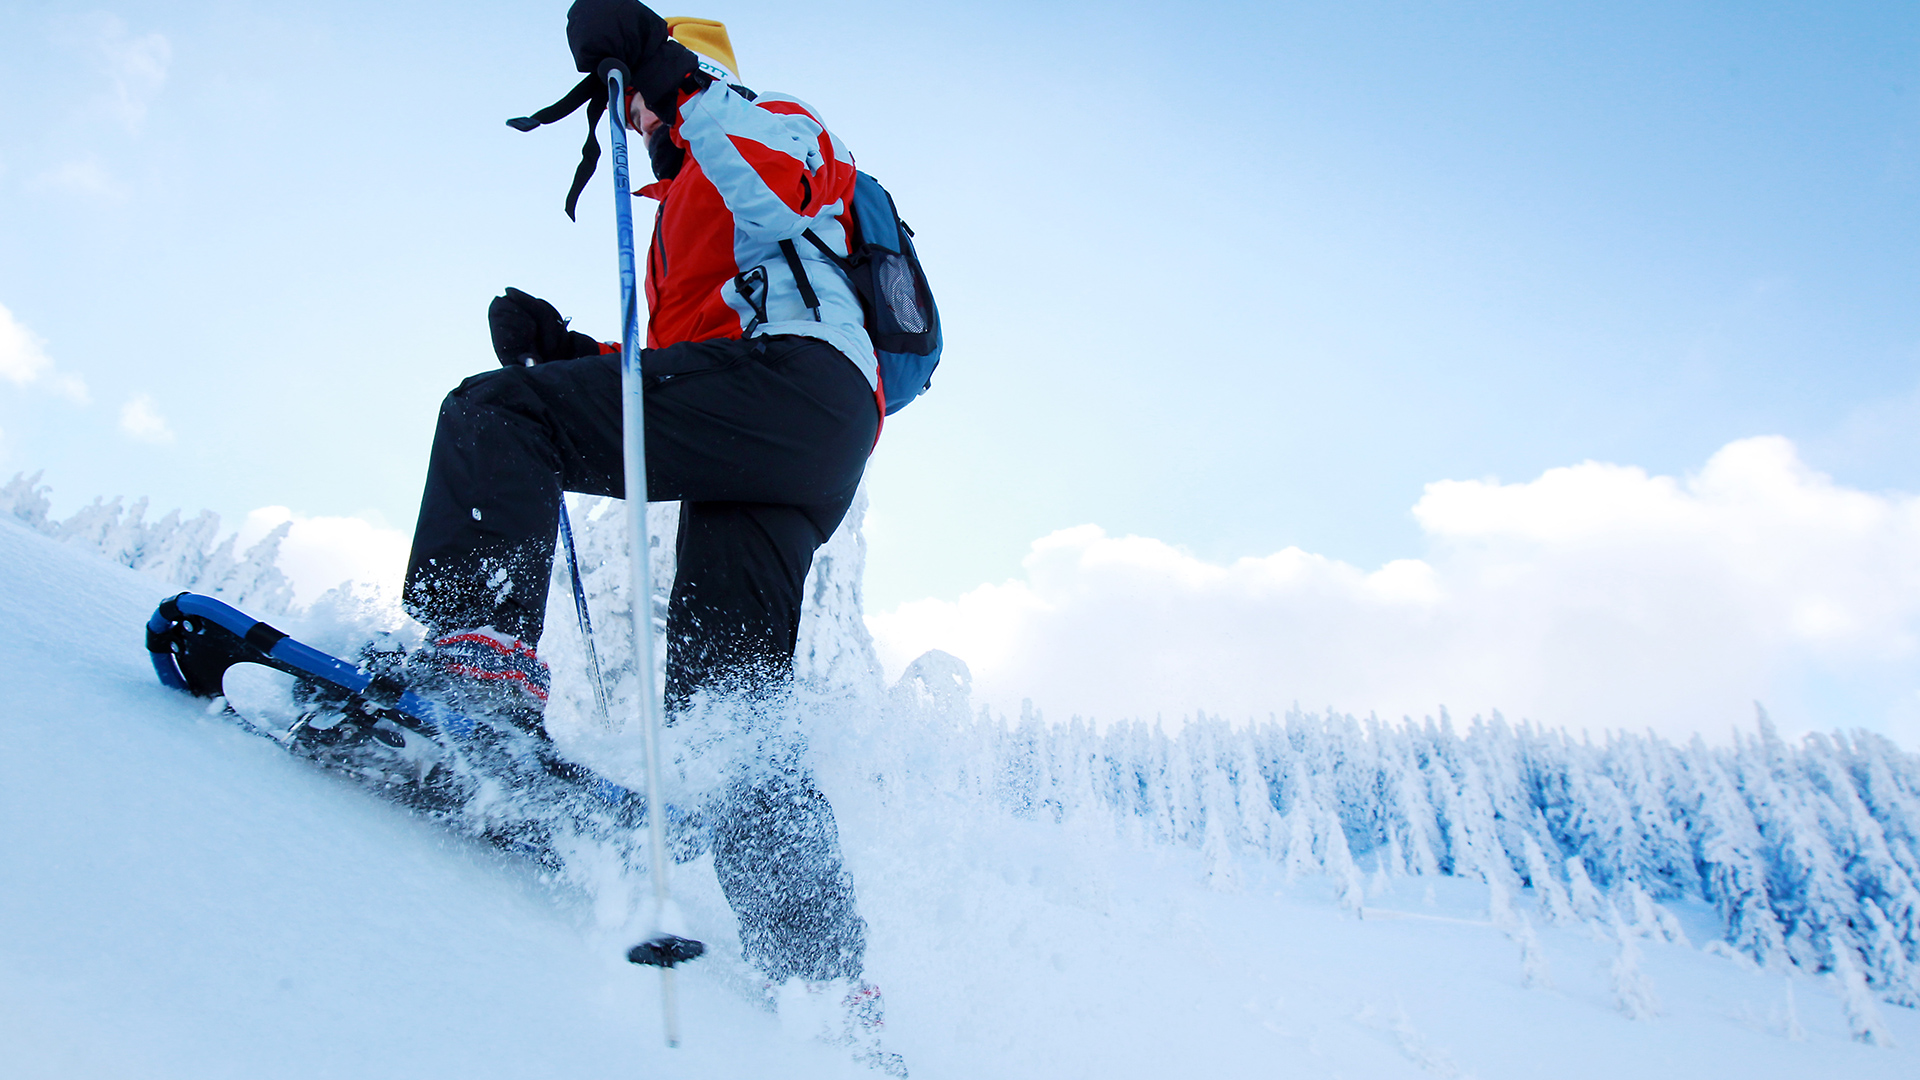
181 899
178 898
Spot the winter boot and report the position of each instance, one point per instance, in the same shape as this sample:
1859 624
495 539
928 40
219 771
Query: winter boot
484 674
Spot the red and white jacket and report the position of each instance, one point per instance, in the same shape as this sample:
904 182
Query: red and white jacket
756 173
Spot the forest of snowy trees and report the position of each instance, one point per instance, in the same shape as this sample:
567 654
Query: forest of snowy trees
1809 852
175 549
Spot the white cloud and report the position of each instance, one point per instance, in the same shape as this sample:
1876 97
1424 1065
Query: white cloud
142 421
135 67
124 73
24 361
322 552
1595 595
22 358
78 177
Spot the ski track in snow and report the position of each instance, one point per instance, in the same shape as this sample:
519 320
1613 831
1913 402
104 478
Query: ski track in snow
180 899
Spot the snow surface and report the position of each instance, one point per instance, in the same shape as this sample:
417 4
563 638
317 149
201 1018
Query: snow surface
179 898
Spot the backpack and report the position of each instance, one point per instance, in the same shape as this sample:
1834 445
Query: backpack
900 314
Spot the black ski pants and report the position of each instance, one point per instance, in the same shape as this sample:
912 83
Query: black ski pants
763 442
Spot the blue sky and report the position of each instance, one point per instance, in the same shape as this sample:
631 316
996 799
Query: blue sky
1235 277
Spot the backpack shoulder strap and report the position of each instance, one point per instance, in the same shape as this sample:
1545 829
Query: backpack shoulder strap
842 261
807 295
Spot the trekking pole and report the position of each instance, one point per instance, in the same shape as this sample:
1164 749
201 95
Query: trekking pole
586 620
664 947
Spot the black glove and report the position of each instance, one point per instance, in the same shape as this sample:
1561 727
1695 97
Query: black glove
630 32
528 330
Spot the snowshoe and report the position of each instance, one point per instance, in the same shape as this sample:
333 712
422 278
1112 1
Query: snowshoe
495 777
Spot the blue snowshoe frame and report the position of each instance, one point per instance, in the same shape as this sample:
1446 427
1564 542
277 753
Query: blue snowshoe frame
193 640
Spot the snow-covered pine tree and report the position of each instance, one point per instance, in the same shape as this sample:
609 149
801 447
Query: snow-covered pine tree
1408 814
1544 882
835 653
1863 1015
1732 857
1811 895
176 550
25 500
1654 785
1633 992
1534 971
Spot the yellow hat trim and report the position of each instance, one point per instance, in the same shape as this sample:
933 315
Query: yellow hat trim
708 40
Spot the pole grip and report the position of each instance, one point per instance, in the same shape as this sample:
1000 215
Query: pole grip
611 65
609 69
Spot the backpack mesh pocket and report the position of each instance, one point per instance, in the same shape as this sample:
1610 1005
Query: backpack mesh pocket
893 275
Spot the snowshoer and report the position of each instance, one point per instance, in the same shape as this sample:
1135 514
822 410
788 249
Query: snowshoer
761 407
